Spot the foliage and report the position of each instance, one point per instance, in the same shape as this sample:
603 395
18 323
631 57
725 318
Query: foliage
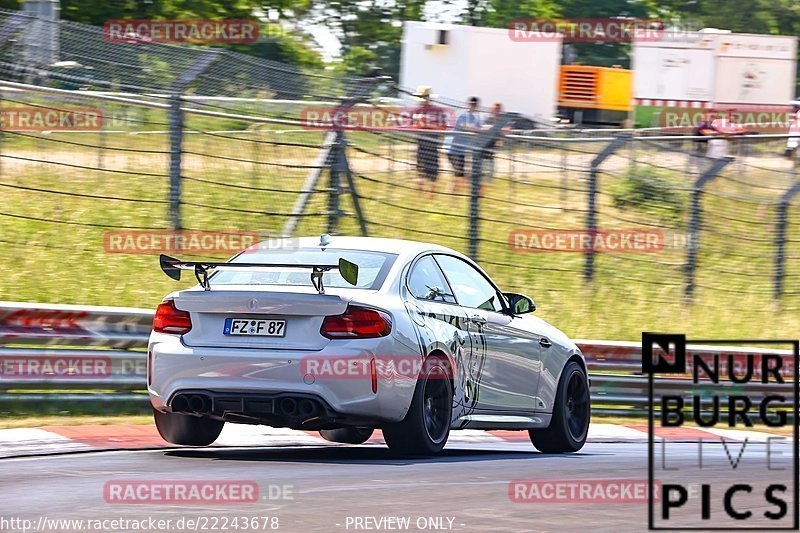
370 30
649 189
278 43
286 46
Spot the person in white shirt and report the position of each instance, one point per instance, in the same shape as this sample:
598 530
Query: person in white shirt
457 146
794 127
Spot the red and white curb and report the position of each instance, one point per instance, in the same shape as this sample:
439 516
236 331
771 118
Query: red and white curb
65 439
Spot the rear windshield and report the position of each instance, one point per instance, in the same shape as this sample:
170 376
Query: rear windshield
372 268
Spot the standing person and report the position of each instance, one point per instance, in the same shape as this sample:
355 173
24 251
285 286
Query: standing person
704 128
458 145
794 128
725 127
488 151
717 132
429 118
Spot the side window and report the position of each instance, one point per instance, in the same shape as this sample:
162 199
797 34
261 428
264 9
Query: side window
427 283
471 288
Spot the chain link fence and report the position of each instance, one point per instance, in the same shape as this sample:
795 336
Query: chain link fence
610 231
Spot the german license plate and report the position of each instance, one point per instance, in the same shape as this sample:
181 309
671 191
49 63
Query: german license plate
256 327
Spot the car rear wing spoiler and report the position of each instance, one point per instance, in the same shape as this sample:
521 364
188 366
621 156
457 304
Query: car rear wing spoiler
172 267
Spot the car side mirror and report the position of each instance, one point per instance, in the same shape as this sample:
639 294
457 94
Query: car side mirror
520 304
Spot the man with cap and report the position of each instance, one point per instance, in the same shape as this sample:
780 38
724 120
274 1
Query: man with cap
430 119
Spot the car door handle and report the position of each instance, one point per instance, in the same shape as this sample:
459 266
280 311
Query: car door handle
478 319
545 342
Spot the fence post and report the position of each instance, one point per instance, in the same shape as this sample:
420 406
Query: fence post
101 141
780 238
323 161
564 177
175 154
332 156
334 183
351 186
2 138
474 202
591 203
481 142
176 124
695 221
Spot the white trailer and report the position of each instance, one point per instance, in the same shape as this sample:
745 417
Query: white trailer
677 68
713 69
755 69
463 61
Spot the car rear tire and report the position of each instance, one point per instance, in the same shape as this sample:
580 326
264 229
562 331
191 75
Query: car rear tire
569 425
351 435
426 426
187 430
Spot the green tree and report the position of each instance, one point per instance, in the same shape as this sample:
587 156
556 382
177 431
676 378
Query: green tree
369 30
286 46
97 12
278 44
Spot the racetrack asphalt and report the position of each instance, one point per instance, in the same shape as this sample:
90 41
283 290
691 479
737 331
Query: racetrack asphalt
358 488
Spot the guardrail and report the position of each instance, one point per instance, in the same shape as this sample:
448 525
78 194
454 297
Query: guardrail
95 356
51 340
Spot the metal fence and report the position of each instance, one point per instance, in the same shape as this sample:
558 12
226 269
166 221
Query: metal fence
206 139
95 357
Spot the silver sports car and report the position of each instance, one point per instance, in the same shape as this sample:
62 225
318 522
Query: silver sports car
348 334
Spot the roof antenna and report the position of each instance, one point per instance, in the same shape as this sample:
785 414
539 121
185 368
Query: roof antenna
324 240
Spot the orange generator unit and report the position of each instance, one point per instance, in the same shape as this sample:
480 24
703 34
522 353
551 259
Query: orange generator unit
595 95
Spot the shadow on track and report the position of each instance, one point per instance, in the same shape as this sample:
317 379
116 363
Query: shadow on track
360 455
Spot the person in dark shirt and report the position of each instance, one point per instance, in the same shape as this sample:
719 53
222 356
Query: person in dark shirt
489 150
717 132
430 120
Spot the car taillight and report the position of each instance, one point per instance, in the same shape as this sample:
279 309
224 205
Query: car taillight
356 323
170 319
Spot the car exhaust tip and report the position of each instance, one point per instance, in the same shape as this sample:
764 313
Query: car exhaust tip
307 408
198 404
180 403
288 406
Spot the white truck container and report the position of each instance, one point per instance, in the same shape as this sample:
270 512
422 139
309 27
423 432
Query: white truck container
679 68
463 61
755 69
713 69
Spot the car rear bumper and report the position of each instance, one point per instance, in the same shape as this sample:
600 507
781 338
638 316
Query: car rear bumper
255 379
284 409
